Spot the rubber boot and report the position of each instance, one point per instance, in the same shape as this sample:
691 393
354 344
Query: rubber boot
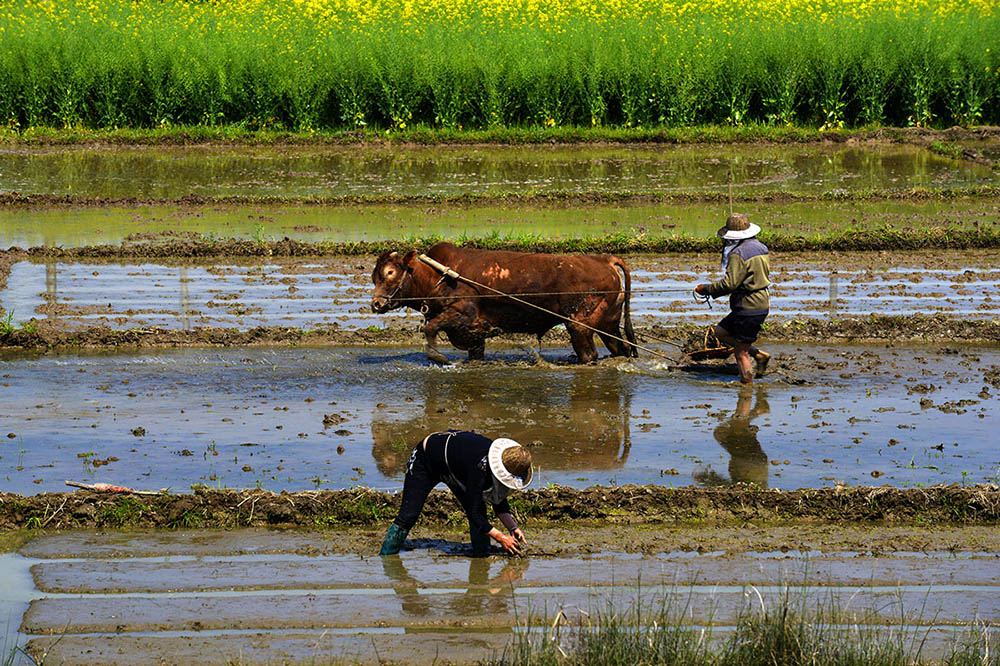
480 543
394 539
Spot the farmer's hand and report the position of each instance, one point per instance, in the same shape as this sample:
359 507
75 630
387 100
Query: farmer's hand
518 534
509 543
701 289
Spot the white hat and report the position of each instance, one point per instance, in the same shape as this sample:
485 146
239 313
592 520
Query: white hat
495 458
738 227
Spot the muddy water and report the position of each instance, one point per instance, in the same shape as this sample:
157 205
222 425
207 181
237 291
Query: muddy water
81 226
316 418
351 171
269 596
324 292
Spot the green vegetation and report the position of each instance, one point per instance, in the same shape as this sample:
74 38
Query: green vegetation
790 633
497 64
122 512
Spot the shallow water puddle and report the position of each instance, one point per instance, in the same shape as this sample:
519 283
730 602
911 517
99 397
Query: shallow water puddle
76 226
130 608
333 417
311 293
167 172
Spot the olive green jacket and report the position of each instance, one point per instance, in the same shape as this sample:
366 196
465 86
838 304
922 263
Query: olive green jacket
746 278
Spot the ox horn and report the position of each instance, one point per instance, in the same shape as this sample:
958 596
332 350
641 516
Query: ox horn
393 254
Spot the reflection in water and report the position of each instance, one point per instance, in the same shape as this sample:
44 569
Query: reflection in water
576 421
484 594
51 287
748 462
170 173
834 291
185 299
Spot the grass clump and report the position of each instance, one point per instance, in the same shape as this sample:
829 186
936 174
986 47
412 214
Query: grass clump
788 634
123 511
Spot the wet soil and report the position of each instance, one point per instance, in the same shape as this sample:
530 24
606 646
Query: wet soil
627 505
27 201
901 329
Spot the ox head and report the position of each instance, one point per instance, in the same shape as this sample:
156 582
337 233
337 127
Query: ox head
393 279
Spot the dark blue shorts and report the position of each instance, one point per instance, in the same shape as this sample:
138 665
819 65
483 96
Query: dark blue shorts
743 326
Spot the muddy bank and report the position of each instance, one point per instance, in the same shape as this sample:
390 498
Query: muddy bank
40 336
869 240
562 197
706 134
626 505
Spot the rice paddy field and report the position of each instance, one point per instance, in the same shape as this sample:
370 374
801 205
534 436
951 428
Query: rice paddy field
197 319
310 65
192 199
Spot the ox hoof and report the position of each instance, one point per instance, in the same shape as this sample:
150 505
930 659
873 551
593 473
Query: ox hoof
437 357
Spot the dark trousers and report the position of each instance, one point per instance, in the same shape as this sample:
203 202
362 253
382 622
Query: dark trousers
417 485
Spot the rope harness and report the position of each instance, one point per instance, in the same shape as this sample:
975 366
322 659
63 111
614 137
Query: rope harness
449 272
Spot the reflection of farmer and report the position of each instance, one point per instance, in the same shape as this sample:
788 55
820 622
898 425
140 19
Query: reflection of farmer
483 594
477 470
747 266
748 463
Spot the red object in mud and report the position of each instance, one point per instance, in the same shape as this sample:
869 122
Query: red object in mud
109 488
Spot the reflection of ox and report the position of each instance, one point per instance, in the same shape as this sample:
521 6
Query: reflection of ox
586 290
583 428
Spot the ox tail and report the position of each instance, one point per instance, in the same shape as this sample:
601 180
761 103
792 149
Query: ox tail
630 349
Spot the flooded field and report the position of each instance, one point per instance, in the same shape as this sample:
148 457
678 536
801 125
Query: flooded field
333 418
78 226
262 597
289 171
864 429
309 293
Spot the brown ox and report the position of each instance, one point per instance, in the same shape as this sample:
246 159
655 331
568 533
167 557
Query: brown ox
587 289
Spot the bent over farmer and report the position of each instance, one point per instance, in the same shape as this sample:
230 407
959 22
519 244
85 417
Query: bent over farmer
478 470
747 266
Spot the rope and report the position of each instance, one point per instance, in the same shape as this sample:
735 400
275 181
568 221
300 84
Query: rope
543 293
659 339
448 271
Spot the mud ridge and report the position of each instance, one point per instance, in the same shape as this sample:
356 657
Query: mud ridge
890 328
19 200
870 240
627 505
226 135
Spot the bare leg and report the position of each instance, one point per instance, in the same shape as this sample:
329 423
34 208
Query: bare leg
742 354
742 351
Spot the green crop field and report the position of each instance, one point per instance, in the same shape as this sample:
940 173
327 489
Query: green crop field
309 65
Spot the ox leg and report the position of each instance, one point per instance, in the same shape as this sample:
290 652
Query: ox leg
583 343
431 350
614 345
477 353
